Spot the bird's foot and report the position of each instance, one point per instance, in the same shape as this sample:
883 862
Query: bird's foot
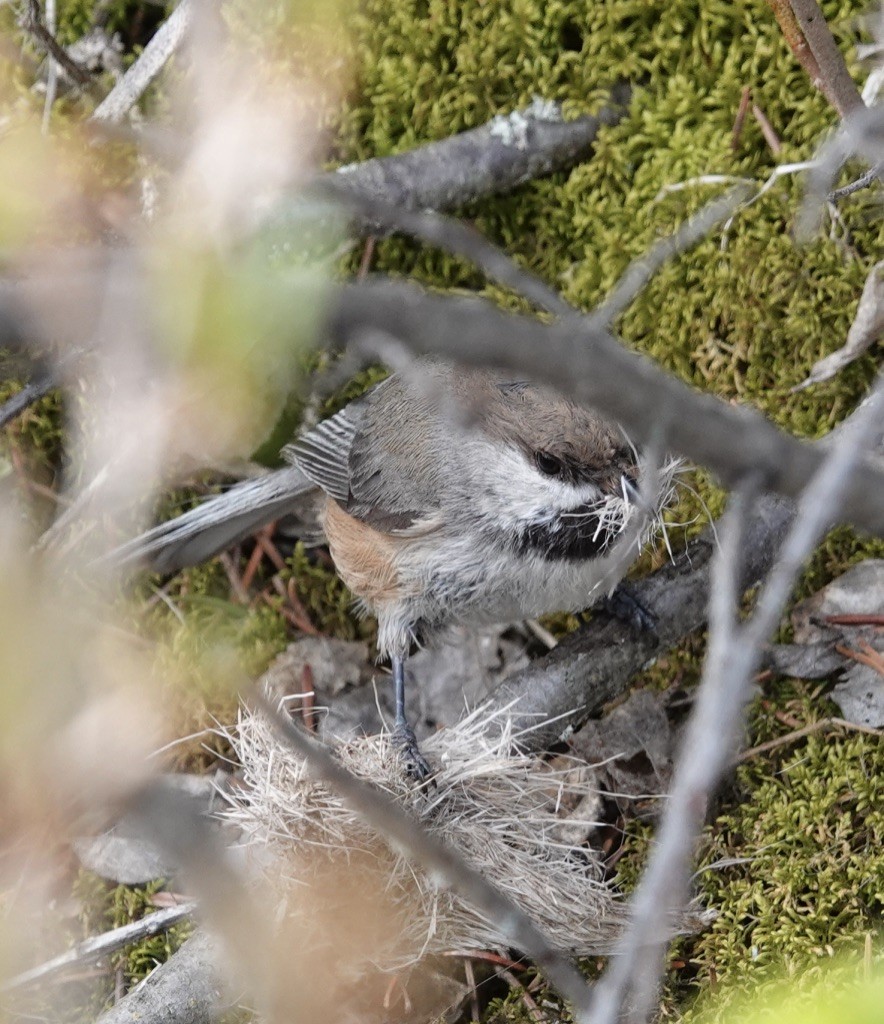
405 744
624 606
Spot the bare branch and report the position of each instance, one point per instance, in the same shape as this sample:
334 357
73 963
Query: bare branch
590 366
640 271
33 22
378 216
867 327
130 88
32 392
99 946
834 78
866 180
496 157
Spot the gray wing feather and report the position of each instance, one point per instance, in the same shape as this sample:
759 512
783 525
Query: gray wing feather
323 453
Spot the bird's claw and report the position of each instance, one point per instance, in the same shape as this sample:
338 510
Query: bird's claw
405 744
624 606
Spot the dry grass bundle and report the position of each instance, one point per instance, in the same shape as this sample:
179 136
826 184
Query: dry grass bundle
512 816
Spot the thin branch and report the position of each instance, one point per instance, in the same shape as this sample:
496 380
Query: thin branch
591 367
640 271
33 23
454 237
873 175
823 725
130 88
633 971
444 863
32 392
834 78
99 946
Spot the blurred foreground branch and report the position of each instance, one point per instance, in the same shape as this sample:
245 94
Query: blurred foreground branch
589 365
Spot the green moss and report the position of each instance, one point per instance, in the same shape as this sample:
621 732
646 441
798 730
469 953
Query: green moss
105 905
328 602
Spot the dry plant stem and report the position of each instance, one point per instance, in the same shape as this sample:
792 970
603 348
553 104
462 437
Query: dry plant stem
434 856
101 945
632 980
823 725
130 88
834 79
589 365
740 119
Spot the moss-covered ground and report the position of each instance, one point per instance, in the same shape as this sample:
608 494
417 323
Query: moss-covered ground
794 860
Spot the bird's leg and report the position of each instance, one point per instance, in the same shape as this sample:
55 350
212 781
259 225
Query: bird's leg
403 737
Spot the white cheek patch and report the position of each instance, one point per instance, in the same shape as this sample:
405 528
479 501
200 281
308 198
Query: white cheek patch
513 492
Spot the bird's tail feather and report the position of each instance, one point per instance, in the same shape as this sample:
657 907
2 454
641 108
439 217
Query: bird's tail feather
217 523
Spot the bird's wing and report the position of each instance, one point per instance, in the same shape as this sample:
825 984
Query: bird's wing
369 458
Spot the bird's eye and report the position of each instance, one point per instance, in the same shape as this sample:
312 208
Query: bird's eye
548 464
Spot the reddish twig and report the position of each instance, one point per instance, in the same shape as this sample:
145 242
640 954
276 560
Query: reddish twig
488 957
834 79
367 257
534 1011
795 39
866 656
740 119
770 136
239 591
854 620
254 561
271 551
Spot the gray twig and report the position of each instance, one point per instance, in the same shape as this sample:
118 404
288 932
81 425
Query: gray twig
101 945
33 22
496 157
130 88
835 80
866 180
867 327
452 236
640 271
32 392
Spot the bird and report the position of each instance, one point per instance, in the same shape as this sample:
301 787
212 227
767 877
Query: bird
447 495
